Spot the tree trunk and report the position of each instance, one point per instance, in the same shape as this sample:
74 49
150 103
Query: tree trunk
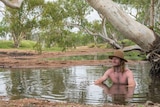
16 42
12 3
152 14
131 29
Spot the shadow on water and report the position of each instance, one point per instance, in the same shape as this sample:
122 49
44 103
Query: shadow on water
75 84
154 89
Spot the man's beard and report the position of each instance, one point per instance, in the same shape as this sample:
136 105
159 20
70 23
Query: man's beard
117 66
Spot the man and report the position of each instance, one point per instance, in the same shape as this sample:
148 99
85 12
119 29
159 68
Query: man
118 73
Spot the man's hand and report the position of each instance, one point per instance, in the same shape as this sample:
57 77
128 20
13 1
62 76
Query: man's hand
97 82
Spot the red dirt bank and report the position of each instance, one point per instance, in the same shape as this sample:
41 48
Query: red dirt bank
30 59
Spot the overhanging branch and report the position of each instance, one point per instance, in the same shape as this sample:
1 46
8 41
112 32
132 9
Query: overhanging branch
12 3
107 39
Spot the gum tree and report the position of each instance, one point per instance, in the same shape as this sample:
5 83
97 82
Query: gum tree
22 23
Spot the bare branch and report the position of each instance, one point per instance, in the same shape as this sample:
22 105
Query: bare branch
133 47
156 54
13 3
82 28
104 27
132 15
113 35
108 40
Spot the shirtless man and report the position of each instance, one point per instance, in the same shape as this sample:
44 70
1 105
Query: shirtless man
118 73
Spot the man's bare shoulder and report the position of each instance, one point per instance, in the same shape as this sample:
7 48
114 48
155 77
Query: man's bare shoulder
109 71
128 71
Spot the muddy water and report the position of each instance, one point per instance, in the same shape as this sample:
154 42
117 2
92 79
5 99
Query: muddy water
75 84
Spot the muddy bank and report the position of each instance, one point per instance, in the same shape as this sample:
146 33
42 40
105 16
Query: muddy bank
31 102
30 59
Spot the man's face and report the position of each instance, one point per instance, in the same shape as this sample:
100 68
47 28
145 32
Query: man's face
116 62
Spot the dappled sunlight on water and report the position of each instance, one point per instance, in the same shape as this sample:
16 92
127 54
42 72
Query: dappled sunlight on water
76 84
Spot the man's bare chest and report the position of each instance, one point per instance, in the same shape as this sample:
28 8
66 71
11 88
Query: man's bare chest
118 77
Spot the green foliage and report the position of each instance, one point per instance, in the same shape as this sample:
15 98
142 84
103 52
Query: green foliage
38 46
135 55
126 42
27 44
55 48
20 23
91 45
76 10
45 22
55 32
6 44
157 28
142 9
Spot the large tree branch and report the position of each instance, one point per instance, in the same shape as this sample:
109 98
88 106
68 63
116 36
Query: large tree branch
130 28
13 3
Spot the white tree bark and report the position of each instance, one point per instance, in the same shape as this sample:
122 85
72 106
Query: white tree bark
12 3
130 28
133 47
152 14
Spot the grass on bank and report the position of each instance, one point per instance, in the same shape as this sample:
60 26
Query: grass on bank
24 45
6 44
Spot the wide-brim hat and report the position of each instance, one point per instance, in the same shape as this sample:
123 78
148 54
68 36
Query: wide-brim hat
118 54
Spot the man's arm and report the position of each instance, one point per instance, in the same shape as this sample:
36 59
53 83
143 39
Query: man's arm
131 81
106 89
103 78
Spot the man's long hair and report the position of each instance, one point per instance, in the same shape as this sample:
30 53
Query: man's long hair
122 66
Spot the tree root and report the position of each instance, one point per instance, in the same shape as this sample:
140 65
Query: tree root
154 58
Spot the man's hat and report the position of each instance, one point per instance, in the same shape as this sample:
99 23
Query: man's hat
118 54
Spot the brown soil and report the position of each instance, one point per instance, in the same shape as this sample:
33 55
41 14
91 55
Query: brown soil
29 59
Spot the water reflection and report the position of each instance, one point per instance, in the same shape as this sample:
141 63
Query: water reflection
76 84
120 94
154 90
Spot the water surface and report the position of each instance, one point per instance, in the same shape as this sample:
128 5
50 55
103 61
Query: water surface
75 84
